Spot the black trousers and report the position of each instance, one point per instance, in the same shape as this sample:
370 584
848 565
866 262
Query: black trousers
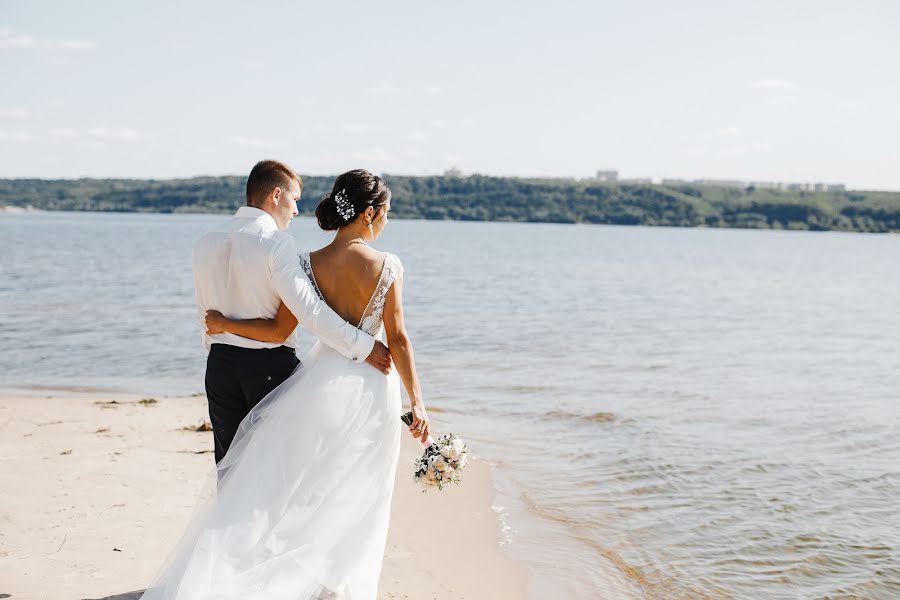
236 380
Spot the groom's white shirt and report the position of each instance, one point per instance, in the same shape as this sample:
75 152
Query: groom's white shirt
247 267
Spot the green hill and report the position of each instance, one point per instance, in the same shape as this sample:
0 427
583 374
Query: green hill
481 198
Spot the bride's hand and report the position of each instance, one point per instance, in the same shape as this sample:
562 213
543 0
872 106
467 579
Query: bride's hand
421 427
215 322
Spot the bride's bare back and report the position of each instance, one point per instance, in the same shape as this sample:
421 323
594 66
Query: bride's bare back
346 277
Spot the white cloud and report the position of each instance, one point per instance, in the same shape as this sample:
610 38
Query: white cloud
418 136
433 90
255 142
779 84
69 44
123 133
14 136
730 131
10 39
14 113
63 132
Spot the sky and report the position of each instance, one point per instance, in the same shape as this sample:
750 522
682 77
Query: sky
787 90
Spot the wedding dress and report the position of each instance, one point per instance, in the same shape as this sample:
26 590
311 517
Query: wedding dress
304 493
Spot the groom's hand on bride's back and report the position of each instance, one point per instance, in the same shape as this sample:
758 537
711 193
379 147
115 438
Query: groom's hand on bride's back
380 357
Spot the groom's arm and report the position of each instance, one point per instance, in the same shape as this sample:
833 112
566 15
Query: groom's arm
315 315
199 282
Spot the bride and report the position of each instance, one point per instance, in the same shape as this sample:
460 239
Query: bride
304 493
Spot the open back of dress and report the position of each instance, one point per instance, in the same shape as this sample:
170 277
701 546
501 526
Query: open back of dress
371 319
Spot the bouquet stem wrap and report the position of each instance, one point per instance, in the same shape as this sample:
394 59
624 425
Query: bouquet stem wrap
407 418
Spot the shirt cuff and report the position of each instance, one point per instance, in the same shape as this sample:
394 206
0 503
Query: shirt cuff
363 347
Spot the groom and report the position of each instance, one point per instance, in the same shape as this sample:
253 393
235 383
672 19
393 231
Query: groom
245 269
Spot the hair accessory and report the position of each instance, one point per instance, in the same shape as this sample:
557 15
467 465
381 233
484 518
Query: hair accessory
344 206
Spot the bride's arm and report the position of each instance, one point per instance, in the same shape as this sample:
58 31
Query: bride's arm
265 330
402 353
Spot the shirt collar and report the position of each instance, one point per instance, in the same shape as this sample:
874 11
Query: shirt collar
251 212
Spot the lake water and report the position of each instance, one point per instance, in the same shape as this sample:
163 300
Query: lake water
671 413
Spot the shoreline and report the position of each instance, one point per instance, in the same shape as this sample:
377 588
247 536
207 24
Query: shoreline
96 488
795 226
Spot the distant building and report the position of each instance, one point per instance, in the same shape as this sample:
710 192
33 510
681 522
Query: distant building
764 185
733 183
728 183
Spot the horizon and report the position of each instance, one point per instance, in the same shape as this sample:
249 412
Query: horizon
770 92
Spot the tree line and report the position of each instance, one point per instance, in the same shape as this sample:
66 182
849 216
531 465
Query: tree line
483 198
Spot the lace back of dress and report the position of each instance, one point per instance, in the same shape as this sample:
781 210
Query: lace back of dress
372 317
307 268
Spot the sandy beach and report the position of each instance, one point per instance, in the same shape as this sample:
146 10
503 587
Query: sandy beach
96 488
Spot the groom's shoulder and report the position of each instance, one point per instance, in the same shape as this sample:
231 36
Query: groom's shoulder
246 228
222 227
275 242
277 237
211 236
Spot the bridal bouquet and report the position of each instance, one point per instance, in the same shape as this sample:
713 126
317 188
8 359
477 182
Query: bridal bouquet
442 461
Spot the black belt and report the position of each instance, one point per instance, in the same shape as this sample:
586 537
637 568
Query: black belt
228 348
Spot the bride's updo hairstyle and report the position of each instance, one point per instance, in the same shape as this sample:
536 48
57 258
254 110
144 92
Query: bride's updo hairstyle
352 193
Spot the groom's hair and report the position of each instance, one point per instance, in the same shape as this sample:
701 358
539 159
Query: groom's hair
267 175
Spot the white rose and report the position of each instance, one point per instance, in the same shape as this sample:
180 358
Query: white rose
440 464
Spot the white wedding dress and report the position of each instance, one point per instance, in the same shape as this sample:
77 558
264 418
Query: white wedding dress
304 492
